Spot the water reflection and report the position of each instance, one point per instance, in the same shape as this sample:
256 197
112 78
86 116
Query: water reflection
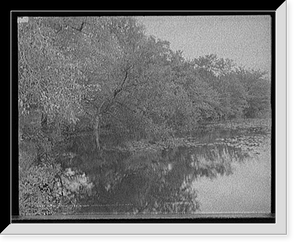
166 180
157 182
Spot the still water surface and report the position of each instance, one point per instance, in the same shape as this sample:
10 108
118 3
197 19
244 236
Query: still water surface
219 172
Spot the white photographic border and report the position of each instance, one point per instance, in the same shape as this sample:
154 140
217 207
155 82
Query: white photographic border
277 228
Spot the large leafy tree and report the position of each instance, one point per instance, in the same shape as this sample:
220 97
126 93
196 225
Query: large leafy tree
70 68
212 70
49 80
258 90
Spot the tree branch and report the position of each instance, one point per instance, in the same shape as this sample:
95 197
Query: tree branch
116 92
80 28
119 89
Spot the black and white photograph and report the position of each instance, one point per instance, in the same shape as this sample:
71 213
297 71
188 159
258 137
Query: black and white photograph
145 117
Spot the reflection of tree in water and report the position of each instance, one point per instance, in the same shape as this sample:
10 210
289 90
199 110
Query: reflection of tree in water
153 182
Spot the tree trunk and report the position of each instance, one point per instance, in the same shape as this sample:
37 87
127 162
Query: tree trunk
96 131
44 123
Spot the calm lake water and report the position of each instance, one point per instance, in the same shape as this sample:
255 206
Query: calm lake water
248 189
217 172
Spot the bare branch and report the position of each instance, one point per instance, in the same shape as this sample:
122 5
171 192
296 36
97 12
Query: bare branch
117 91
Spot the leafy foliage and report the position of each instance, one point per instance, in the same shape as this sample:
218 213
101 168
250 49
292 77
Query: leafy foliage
99 68
39 191
46 189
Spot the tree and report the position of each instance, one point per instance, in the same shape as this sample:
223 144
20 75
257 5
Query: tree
64 62
213 70
234 96
258 90
48 79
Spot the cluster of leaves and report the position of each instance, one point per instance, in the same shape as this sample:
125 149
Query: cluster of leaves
46 189
39 193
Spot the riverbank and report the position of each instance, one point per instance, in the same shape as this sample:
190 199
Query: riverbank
244 134
253 123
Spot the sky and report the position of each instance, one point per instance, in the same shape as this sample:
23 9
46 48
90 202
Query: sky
245 39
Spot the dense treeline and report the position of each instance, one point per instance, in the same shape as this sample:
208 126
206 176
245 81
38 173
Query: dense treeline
83 79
